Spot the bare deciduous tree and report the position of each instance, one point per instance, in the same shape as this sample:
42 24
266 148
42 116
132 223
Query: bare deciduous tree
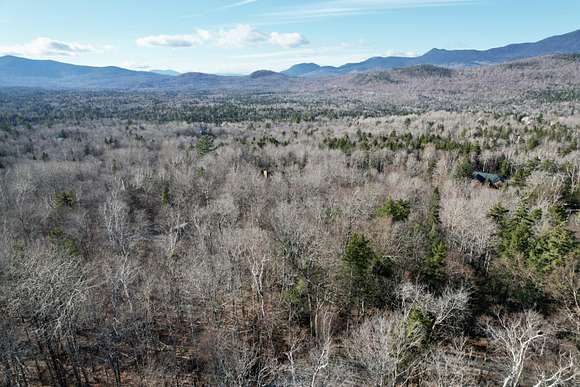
451 365
383 346
115 217
514 337
321 355
566 372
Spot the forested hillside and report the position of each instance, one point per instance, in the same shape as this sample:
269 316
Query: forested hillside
296 238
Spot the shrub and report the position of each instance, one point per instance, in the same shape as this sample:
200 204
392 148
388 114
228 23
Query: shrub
63 242
419 324
297 297
532 143
399 210
64 199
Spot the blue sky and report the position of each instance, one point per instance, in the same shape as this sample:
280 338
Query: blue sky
240 36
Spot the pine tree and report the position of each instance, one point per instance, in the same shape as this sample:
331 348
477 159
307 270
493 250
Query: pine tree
504 167
433 270
433 211
65 199
517 237
364 270
165 197
399 210
464 169
204 145
358 255
434 264
552 248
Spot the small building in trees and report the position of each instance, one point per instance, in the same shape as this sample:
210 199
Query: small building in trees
494 180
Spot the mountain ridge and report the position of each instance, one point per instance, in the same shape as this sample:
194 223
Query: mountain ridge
558 44
22 72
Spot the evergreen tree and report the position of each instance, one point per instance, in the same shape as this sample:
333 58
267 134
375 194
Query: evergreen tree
65 199
552 248
364 270
433 217
358 256
165 197
504 167
399 210
434 265
464 169
433 269
204 145
517 237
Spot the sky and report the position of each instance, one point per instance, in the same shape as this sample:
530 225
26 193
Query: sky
241 36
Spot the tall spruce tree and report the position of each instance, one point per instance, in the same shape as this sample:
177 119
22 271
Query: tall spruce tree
433 269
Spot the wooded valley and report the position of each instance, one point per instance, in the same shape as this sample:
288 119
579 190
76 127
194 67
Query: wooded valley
321 236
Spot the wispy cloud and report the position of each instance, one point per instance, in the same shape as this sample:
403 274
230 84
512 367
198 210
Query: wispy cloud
334 54
407 54
218 9
47 47
135 66
240 36
331 55
281 60
337 8
239 4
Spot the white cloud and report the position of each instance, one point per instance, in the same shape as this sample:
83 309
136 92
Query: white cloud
288 40
240 36
47 47
196 39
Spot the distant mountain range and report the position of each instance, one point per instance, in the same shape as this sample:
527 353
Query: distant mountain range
561 44
166 72
21 72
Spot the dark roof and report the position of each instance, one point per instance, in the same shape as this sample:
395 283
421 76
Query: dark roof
493 178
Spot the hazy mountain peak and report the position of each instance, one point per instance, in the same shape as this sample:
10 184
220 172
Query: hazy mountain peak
301 69
166 72
561 44
264 73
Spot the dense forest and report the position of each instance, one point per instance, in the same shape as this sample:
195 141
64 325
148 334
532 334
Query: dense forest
295 238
